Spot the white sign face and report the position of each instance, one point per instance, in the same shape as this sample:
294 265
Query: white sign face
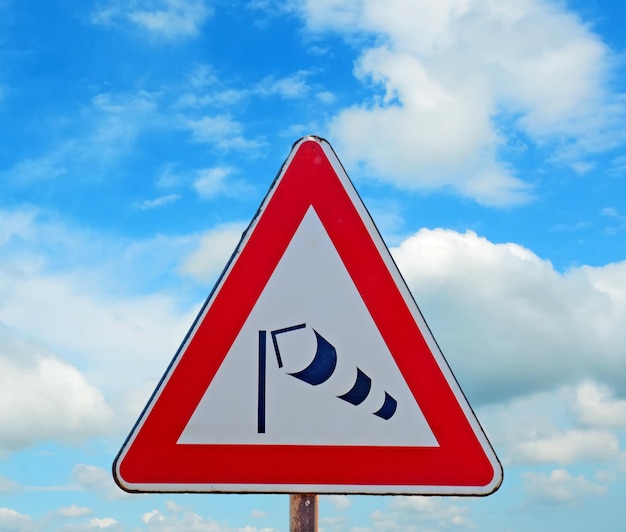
309 292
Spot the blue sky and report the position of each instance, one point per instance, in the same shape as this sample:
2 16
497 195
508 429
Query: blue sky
488 140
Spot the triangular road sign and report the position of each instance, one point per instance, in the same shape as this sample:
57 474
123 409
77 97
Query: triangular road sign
310 367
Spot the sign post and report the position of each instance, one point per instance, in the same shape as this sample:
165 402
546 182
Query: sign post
303 512
310 350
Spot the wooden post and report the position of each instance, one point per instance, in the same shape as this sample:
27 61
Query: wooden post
303 512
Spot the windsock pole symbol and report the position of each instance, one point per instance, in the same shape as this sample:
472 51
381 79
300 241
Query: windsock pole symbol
317 372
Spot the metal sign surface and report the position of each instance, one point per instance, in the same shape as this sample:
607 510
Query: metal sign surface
310 368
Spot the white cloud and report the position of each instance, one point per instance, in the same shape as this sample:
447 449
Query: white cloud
57 281
97 480
158 202
566 448
335 523
560 486
214 249
218 98
204 89
176 18
117 334
595 406
462 81
222 131
12 521
326 97
622 462
207 183
436 138
338 502
290 87
44 398
129 402
169 176
616 220
544 429
117 120
212 129
90 142
167 19
158 521
8 485
104 523
211 182
525 418
421 513
16 225
508 322
73 511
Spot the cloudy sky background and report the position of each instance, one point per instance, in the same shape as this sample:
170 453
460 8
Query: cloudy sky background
487 138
